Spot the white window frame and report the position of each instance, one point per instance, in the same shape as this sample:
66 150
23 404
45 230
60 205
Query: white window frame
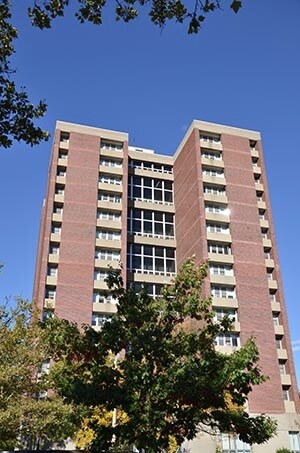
228 339
227 292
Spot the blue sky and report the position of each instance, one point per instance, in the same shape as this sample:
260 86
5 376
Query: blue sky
240 70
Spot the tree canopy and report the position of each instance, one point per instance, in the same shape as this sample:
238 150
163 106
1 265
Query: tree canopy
156 363
17 114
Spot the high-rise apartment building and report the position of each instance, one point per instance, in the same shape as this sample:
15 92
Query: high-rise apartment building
108 202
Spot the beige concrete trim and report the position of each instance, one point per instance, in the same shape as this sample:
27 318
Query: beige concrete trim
108 243
267 243
264 223
106 264
99 284
286 379
53 259
278 330
137 239
290 407
236 327
54 237
215 217
115 153
49 303
259 187
282 354
62 162
211 146
51 280
81 129
150 278
111 170
214 128
221 258
273 284
275 306
107 187
153 206
214 180
215 198
57 217
147 155
256 170
222 279
111 224
254 153
227 349
104 308
64 145
110 205
58 198
261 205
60 179
151 174
269 263
219 237
224 303
212 162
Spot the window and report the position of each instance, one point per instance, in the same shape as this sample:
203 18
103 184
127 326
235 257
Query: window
294 441
211 171
220 269
220 314
108 215
232 444
275 317
110 235
52 271
219 248
272 294
106 254
64 137
210 154
227 339
153 289
150 189
100 274
215 190
112 145
59 189
217 208
282 368
50 292
223 291
210 138
103 297
286 392
58 208
267 253
278 340
47 314
54 249
62 154
151 259
61 171
217 228
117 163
151 223
107 179
156 167
114 198
99 319
56 228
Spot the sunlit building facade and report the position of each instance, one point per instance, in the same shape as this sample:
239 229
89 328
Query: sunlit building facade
108 202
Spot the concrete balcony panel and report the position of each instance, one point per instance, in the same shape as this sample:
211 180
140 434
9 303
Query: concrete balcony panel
282 354
111 224
57 217
261 205
53 259
223 302
269 263
264 223
111 170
290 407
104 308
273 284
159 241
211 145
259 187
223 279
49 303
216 217
110 205
219 237
227 349
100 284
62 162
106 264
275 306
108 243
143 204
51 280
221 258
60 179
58 198
236 327
54 237
279 330
214 180
256 170
254 153
151 174
117 154
286 379
215 198
108 187
212 162
267 243
150 278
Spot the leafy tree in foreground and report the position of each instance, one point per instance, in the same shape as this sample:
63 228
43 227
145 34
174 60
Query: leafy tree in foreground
17 113
24 419
167 376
